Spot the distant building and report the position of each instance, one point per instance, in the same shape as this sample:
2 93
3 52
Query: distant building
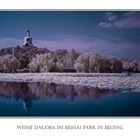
28 39
69 68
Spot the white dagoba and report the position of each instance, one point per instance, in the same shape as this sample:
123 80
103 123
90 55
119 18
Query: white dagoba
28 39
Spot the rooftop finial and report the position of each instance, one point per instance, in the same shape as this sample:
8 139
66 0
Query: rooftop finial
28 33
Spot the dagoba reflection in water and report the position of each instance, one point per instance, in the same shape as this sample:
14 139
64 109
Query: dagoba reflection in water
29 92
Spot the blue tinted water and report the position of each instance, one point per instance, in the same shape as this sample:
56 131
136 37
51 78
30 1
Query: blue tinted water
41 99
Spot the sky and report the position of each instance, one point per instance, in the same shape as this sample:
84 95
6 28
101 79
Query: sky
113 33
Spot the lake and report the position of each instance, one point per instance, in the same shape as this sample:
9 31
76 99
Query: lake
44 99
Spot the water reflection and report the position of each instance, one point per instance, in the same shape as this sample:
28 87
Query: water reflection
29 92
50 90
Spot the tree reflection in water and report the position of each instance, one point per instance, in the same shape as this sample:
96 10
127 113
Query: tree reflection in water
29 92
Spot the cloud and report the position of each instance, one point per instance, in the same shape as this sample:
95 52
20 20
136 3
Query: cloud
104 25
126 20
110 16
130 13
129 20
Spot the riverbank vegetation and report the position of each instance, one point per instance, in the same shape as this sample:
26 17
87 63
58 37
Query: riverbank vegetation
34 59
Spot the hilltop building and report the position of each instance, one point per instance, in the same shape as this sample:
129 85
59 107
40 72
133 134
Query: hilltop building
28 39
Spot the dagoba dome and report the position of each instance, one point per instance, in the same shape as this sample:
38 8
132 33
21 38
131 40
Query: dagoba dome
28 39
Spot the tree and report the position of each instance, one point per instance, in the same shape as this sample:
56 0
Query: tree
102 64
45 63
133 66
1 64
9 63
82 63
90 62
73 56
116 65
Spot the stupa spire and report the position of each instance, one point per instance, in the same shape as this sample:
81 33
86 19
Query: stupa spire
28 33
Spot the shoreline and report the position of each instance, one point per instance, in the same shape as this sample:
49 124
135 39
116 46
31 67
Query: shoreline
99 80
